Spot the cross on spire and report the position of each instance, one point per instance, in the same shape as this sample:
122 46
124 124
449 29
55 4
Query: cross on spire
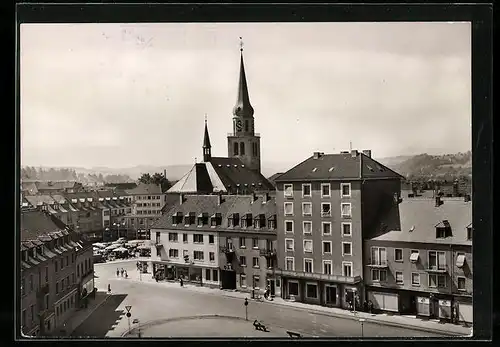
241 44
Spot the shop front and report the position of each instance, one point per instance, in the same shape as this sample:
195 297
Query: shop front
87 290
463 309
383 301
325 290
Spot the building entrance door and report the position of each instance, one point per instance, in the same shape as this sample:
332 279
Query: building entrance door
331 295
228 279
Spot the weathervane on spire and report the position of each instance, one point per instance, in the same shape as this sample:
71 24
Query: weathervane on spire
241 44
205 118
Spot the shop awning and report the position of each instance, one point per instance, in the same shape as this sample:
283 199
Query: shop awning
460 260
414 257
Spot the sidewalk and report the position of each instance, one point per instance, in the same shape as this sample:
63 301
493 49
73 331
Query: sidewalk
81 315
384 319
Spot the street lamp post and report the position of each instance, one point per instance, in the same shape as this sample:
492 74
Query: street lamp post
362 320
107 231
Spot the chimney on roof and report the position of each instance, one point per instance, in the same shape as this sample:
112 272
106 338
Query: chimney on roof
317 155
181 199
368 153
354 153
165 173
220 200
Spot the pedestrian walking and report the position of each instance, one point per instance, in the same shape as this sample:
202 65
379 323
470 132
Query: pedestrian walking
370 306
126 274
109 288
117 272
181 281
121 272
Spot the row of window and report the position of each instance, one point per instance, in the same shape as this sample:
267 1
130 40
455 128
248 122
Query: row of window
197 255
327 247
311 289
234 220
147 197
435 259
65 283
326 228
326 190
66 305
434 280
149 204
61 266
326 209
148 212
327 266
255 261
197 238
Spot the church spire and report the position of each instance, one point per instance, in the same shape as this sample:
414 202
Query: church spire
207 148
242 107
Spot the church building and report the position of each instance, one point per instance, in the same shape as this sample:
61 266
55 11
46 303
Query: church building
239 173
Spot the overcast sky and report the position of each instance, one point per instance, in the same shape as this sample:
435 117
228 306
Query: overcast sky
121 95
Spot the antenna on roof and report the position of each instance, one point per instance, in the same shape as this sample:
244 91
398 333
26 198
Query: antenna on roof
350 146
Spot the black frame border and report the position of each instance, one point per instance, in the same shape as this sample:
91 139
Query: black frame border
481 16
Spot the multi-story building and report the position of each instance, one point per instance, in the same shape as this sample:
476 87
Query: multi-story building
424 267
57 187
49 284
325 205
147 203
217 240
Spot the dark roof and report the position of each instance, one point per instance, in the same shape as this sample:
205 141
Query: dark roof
36 223
422 216
273 178
198 204
221 175
206 138
171 199
130 185
143 188
232 171
338 167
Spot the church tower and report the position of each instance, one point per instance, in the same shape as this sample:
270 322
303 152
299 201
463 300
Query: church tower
243 143
207 148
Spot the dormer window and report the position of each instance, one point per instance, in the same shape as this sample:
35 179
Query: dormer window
469 233
443 229
190 218
234 220
271 222
260 221
246 221
202 219
31 253
216 220
177 218
25 255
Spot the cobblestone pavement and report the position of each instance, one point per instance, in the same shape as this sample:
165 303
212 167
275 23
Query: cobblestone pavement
151 301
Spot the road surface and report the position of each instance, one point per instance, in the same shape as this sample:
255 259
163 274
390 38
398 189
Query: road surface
152 303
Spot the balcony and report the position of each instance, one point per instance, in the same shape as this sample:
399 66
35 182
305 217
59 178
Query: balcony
441 269
316 276
378 264
267 252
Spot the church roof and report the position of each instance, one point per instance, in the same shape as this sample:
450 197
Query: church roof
221 175
243 107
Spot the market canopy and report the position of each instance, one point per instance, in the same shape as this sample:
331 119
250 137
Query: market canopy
120 249
112 247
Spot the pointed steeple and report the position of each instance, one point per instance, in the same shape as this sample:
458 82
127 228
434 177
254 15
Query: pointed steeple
242 107
207 148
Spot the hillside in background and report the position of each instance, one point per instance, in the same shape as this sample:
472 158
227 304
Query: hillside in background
447 166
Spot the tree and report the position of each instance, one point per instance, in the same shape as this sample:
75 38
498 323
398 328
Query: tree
157 178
